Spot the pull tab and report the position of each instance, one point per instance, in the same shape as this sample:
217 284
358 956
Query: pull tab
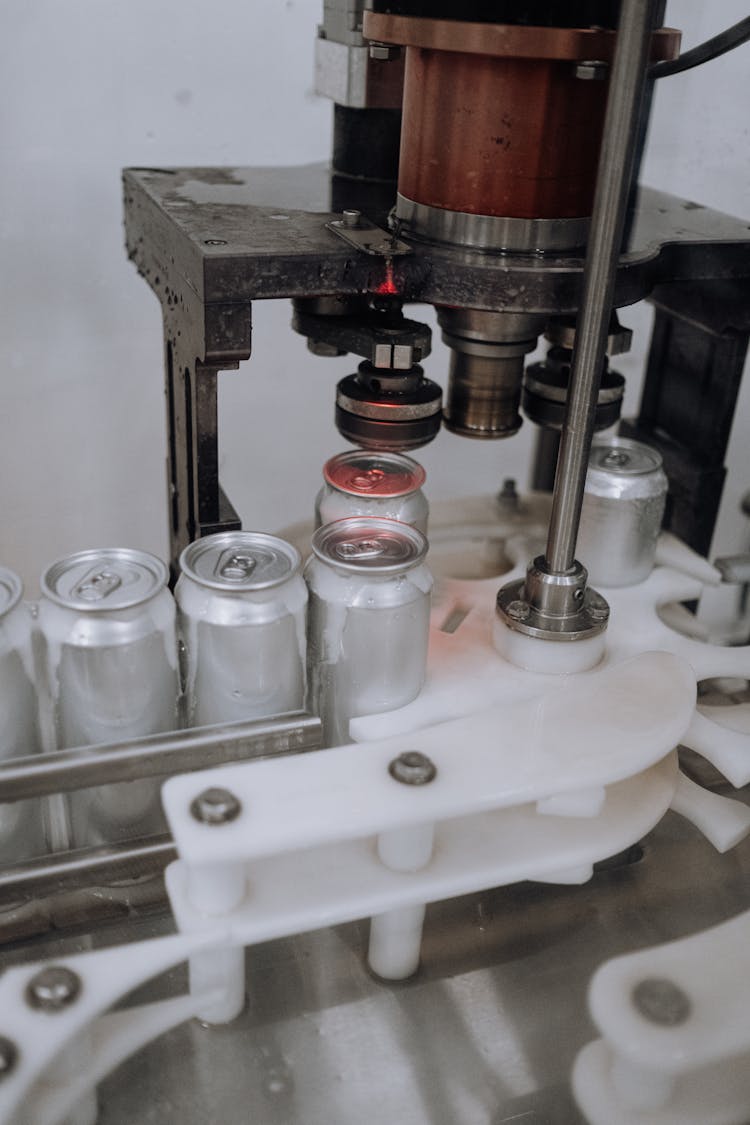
365 482
616 459
97 585
235 566
366 549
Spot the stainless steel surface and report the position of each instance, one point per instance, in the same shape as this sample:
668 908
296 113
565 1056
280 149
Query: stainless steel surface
368 620
85 869
623 506
603 252
241 621
361 483
553 607
486 369
485 1034
489 232
158 755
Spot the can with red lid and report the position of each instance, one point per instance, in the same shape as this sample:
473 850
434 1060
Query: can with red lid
381 485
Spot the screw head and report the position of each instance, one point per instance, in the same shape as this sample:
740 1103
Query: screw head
412 768
597 606
518 610
215 806
53 989
214 241
661 1001
592 70
8 1056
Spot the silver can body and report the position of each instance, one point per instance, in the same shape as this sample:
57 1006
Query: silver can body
368 620
21 825
376 485
241 620
623 506
108 625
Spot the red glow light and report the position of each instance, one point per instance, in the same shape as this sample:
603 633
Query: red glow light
387 287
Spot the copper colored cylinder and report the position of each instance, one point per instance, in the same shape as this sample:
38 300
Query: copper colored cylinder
512 137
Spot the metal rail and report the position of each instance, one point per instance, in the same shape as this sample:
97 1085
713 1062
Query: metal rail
157 755
605 241
86 867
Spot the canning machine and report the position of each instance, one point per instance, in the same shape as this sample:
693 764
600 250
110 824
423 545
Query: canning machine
402 925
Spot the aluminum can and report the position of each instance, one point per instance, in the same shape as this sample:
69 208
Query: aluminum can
241 619
623 506
368 620
21 827
381 485
108 624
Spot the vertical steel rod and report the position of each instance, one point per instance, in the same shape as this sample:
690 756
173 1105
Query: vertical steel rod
605 241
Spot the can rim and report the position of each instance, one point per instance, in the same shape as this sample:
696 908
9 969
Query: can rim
10 578
615 443
399 459
199 547
370 523
103 554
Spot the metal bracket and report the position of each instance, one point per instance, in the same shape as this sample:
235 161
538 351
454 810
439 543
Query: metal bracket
365 236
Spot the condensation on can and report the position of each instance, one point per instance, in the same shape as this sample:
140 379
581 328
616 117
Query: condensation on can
21 826
368 620
623 506
108 625
379 485
241 619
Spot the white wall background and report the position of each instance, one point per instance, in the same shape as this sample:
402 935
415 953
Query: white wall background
90 86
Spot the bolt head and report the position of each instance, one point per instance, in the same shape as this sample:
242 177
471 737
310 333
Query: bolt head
661 1001
412 768
215 806
518 610
592 70
351 218
384 52
54 988
597 606
8 1056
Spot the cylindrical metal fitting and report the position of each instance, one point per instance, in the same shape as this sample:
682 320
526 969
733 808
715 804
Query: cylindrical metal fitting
486 369
623 506
387 409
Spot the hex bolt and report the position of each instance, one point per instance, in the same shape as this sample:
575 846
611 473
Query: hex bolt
8 1057
661 1001
351 218
53 989
592 70
215 806
384 52
412 768
518 610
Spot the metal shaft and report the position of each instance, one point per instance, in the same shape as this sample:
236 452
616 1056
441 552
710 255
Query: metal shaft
86 867
605 241
158 755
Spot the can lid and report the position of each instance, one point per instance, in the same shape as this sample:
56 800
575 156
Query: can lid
240 560
361 472
110 578
11 590
624 457
365 544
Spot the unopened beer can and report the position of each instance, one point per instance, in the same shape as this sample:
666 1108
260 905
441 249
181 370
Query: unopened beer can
368 620
21 830
381 485
241 611
623 506
108 623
